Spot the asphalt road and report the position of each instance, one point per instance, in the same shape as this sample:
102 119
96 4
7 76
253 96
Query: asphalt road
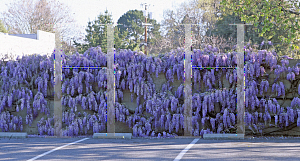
149 149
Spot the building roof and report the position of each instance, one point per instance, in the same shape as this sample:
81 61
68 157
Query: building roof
30 36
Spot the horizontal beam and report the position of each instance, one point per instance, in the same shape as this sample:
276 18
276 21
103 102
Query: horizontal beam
146 24
215 67
85 67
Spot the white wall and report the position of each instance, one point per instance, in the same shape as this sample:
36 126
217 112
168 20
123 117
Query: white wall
19 46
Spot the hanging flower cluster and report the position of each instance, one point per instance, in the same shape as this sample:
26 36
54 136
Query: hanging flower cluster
45 127
158 113
9 122
265 105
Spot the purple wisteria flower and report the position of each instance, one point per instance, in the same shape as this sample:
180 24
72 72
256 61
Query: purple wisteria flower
270 43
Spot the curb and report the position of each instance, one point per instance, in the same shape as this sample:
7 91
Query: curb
112 136
223 136
13 134
187 137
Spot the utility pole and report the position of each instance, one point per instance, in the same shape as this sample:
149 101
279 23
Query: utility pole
145 14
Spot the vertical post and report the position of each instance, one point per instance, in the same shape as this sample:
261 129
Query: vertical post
57 89
146 31
110 80
241 80
187 82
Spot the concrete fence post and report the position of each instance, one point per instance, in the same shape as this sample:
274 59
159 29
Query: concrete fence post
57 90
110 80
187 82
240 78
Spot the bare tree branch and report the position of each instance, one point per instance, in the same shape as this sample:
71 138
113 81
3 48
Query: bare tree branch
28 16
292 12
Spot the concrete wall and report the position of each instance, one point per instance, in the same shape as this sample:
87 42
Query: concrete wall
292 130
24 44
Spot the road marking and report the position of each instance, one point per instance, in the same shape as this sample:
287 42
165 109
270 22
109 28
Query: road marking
180 155
48 152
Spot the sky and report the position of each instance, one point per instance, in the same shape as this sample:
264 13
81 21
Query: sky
85 10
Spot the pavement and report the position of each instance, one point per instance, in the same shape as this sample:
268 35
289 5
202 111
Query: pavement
89 149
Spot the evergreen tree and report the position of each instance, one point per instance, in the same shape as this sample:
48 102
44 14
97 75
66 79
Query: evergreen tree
97 34
133 28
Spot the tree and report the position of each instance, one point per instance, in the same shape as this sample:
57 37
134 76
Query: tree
28 16
132 25
97 34
2 28
153 37
173 30
210 12
203 13
229 32
279 19
68 48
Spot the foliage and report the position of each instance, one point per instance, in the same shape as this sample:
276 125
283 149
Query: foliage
40 15
229 32
2 28
28 16
279 19
28 84
68 48
203 13
132 24
97 34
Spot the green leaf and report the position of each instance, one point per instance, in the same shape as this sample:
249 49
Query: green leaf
293 30
271 25
261 34
270 37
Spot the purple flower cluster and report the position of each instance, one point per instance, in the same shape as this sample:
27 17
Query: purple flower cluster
9 122
45 127
279 88
295 102
135 72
